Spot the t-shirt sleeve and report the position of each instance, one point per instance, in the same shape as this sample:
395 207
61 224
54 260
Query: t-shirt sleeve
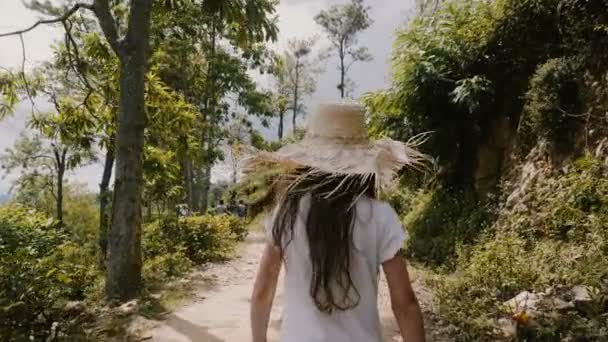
391 235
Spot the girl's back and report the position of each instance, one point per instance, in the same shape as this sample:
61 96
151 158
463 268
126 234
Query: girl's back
377 236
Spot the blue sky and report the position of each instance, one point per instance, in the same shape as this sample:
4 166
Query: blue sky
296 21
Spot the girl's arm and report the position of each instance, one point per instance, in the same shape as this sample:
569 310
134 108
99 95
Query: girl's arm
264 290
403 300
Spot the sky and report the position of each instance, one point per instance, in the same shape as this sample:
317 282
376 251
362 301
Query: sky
295 21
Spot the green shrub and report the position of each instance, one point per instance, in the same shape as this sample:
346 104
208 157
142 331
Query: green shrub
40 269
165 266
557 236
488 274
552 104
201 238
439 220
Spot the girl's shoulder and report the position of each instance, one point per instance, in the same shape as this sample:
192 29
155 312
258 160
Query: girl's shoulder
374 208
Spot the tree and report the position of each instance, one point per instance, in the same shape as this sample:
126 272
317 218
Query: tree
210 47
44 158
342 24
301 73
294 74
131 45
280 96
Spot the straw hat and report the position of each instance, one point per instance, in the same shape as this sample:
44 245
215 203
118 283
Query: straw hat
336 142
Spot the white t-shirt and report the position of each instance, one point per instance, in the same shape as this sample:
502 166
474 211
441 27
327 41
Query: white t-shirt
377 237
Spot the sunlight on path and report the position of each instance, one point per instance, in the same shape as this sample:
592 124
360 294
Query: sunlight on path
220 312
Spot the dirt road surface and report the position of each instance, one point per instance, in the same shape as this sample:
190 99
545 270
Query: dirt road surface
219 311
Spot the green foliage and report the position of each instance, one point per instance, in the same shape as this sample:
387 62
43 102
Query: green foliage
8 93
459 70
40 269
439 220
199 238
553 104
168 265
258 141
565 243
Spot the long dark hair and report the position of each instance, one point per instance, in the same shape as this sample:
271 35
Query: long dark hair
329 229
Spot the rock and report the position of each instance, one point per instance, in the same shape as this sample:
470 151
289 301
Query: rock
581 294
524 301
582 299
507 327
53 333
74 307
128 308
559 304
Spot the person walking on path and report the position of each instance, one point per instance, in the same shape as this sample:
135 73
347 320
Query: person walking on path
334 235
221 208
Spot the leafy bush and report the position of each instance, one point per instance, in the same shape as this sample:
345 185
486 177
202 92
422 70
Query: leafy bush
565 243
552 104
200 238
40 269
164 266
439 220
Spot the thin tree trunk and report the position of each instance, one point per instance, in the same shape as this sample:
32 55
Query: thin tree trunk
207 137
295 95
60 167
189 180
342 70
123 281
104 200
281 118
206 186
60 176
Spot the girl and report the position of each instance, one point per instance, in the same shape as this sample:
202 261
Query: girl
333 235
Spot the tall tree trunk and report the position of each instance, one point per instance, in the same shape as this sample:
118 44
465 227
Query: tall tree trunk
205 187
210 116
281 118
60 165
342 70
189 182
123 279
295 95
104 200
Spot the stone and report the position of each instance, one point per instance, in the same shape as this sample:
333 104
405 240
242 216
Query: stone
74 306
53 333
128 308
507 327
559 304
524 301
581 294
582 299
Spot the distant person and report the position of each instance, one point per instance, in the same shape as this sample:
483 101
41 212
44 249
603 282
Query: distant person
232 208
242 209
221 208
334 236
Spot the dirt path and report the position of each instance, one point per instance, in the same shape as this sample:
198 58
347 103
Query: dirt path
220 311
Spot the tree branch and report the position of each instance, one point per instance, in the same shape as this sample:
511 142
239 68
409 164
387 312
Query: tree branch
23 77
63 18
107 23
70 44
